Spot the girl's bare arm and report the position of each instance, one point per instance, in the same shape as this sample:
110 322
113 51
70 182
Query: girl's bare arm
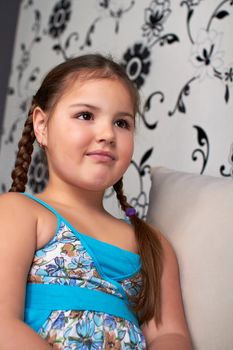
17 246
173 332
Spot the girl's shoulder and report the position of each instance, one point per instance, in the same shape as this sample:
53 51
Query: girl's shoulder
29 218
15 200
16 207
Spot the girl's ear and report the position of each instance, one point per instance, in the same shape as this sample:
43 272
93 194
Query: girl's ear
40 126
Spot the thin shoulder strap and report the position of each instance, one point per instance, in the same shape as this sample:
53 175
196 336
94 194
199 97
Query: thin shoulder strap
44 204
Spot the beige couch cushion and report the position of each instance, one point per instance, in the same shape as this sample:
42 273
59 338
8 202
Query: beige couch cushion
195 213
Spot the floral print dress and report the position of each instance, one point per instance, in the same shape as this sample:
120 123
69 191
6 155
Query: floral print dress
77 292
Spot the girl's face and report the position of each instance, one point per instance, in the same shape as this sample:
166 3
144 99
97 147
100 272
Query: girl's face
89 135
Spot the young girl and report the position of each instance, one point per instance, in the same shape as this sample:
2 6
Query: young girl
73 276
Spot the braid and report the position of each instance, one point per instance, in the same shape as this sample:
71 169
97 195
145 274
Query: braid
148 302
23 159
118 187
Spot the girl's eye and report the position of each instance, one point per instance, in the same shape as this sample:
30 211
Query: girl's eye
122 123
85 116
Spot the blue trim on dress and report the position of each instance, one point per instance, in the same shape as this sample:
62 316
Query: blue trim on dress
124 260
43 299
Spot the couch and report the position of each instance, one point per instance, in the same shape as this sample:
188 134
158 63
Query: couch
195 213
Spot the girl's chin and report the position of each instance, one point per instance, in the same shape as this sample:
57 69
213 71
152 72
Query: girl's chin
100 182
100 186
97 186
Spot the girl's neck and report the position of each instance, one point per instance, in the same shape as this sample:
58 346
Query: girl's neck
73 197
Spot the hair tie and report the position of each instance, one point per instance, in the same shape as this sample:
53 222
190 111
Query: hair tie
130 212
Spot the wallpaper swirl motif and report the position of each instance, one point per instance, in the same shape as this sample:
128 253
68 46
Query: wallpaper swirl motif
178 53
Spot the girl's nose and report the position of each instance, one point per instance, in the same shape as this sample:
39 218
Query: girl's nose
106 134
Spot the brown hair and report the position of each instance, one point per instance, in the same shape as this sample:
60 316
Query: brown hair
96 66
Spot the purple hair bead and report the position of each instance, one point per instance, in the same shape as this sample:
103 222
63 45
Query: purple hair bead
130 212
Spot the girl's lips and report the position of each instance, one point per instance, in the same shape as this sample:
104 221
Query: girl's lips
101 155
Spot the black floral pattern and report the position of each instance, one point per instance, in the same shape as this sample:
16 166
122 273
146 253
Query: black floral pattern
141 204
155 16
57 25
185 91
104 3
3 188
207 54
136 62
228 80
229 74
26 49
203 142
231 160
147 107
141 201
109 9
27 3
59 18
222 169
192 3
219 12
38 173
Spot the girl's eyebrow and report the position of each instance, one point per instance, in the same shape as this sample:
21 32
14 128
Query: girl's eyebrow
86 105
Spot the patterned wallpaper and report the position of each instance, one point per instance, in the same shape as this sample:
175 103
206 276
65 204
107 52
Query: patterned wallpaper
178 53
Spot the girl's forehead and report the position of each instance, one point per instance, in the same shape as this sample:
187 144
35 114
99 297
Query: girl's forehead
79 82
94 86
